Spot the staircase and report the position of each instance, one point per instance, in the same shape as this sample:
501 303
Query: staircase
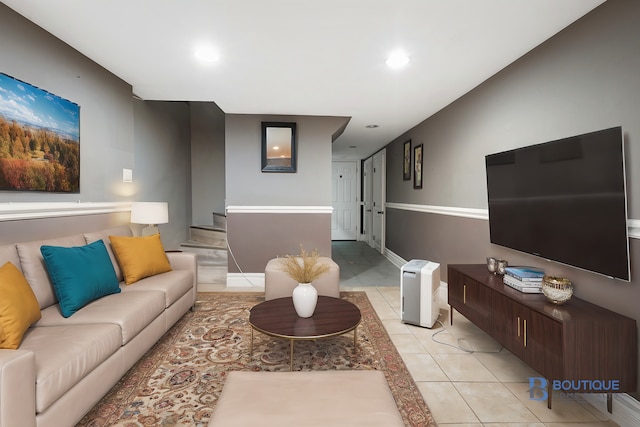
209 243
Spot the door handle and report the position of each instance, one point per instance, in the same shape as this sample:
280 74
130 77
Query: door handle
368 210
381 212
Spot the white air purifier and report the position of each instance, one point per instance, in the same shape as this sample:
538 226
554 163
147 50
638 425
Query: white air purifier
419 285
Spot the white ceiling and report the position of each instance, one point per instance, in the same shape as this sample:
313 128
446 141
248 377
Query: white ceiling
304 57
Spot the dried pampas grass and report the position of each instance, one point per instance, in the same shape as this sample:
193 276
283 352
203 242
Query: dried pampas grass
303 268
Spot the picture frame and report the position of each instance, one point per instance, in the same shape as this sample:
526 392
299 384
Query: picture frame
417 166
40 148
406 168
279 147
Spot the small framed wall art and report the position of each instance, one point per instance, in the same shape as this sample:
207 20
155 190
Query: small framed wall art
417 166
278 147
406 168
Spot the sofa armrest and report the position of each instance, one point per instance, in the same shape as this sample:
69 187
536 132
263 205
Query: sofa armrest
185 261
17 388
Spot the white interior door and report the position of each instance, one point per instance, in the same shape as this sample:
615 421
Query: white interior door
367 202
344 219
379 190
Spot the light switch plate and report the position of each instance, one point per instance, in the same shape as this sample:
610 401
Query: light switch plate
127 175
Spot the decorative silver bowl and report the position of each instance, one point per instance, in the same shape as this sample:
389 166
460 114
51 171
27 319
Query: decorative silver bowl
558 290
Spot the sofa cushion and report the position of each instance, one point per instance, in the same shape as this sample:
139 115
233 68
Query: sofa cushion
18 306
173 283
140 257
80 274
66 354
104 236
9 253
32 265
132 312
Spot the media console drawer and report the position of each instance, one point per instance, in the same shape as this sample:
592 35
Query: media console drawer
574 341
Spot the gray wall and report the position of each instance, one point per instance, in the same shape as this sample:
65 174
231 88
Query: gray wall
207 162
256 237
247 185
583 79
163 163
30 54
152 138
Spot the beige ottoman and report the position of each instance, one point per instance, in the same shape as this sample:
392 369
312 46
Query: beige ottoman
306 399
278 284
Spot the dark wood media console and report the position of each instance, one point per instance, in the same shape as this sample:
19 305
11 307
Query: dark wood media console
574 341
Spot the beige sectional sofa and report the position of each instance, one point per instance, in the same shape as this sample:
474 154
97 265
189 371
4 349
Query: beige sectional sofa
63 366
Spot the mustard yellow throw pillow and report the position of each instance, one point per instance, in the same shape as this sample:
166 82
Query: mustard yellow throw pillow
139 257
19 307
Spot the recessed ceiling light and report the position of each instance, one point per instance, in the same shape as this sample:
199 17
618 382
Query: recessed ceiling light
371 126
207 54
397 59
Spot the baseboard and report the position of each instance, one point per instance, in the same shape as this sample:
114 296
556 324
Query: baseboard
395 259
625 409
245 280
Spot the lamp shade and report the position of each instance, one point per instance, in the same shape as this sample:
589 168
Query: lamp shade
150 213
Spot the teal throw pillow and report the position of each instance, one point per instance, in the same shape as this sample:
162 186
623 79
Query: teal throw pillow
80 274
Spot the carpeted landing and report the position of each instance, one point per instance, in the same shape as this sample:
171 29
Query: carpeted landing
178 381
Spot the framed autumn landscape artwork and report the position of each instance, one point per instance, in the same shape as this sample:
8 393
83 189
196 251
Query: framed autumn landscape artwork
39 139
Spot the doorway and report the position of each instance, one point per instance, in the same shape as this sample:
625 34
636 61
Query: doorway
344 218
378 199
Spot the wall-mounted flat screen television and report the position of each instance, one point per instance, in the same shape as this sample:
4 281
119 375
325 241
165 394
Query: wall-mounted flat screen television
564 201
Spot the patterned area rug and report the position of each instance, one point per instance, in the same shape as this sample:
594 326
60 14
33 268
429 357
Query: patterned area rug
177 383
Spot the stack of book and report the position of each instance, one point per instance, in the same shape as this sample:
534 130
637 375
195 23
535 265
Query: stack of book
524 279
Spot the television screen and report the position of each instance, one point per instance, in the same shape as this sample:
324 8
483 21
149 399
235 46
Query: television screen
563 200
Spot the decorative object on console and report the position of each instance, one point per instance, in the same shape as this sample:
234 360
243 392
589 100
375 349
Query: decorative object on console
522 286
151 214
502 265
304 269
558 290
525 274
492 264
525 279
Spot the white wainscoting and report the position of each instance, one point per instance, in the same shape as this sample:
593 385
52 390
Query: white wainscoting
279 209
31 210
633 224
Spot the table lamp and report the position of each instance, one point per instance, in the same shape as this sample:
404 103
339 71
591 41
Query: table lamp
151 214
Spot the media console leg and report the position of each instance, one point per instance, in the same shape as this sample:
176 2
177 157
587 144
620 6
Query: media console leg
450 315
610 403
549 394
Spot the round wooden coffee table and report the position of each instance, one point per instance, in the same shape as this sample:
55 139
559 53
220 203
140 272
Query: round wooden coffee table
278 318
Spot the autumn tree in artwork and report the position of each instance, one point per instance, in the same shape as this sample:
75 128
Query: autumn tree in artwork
37 159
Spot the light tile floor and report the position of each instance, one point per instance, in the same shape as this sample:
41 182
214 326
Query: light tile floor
485 387
466 378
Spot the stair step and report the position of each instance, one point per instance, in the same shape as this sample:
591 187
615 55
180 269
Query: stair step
192 246
208 235
219 221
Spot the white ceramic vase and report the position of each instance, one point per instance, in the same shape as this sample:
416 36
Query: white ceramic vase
305 298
